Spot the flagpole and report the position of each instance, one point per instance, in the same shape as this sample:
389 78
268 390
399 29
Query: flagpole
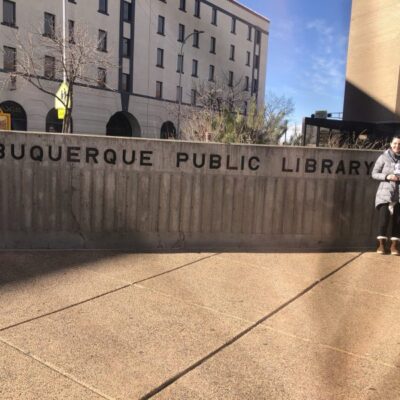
64 41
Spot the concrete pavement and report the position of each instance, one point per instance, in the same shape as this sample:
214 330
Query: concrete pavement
112 325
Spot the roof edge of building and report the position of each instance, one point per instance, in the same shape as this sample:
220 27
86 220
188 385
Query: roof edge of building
250 10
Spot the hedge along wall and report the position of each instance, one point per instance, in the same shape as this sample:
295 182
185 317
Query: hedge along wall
76 191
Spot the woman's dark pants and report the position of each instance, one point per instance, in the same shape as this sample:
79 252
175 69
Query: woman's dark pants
385 217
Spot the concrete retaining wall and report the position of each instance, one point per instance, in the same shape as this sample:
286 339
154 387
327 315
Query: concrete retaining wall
74 191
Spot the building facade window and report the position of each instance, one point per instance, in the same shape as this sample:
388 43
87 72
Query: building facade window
102 41
180 64
193 97
9 13
214 16
248 58
49 25
258 37
233 25
195 68
159 90
49 67
182 5
232 53
101 77
230 79
9 59
71 31
213 44
197 8
161 25
127 12
249 33
160 58
257 62
181 33
126 83
103 6
196 38
126 47
246 84
211 73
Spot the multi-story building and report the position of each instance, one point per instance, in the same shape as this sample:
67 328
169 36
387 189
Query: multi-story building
145 39
373 62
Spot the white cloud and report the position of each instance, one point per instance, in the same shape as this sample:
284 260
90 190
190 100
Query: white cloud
322 28
327 59
283 30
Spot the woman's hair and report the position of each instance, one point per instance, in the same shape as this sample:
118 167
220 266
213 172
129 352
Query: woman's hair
395 137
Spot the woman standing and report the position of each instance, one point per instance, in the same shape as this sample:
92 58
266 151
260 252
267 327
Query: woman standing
387 171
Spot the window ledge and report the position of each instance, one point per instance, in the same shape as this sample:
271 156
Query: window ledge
9 25
103 12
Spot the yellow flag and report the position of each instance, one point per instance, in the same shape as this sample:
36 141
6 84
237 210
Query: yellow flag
61 113
61 99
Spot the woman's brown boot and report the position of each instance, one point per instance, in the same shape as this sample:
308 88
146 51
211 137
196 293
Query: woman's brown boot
393 248
381 245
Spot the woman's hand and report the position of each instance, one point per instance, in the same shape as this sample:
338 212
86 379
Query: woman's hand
393 178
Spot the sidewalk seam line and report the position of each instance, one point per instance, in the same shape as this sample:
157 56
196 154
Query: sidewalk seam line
329 347
55 369
103 294
235 338
193 304
175 269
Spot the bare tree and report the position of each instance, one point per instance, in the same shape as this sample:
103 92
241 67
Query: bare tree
361 141
221 94
296 137
227 113
277 111
41 63
216 104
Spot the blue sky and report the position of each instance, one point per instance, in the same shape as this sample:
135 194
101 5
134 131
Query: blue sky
307 51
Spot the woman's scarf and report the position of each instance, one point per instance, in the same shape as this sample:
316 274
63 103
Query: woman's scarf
394 155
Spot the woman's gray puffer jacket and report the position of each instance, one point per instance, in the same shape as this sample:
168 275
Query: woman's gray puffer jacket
388 191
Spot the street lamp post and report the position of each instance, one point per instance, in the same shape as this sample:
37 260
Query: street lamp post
64 40
180 80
